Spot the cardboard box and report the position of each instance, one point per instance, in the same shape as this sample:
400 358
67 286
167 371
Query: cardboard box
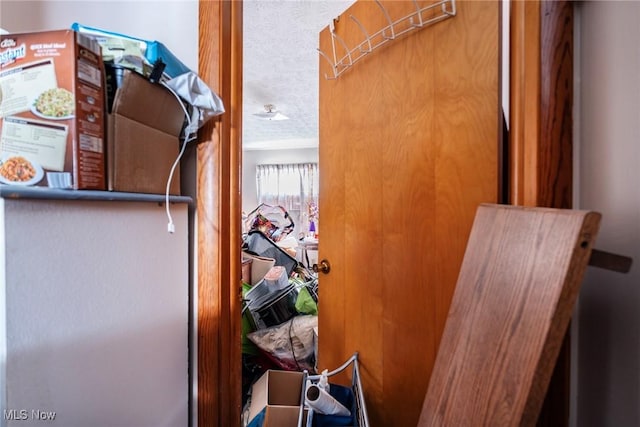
279 393
143 137
52 123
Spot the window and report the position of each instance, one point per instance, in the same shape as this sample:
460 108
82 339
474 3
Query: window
295 188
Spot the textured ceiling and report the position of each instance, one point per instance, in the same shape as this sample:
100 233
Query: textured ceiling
280 39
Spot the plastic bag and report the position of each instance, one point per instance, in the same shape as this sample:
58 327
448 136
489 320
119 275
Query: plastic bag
305 304
291 345
273 221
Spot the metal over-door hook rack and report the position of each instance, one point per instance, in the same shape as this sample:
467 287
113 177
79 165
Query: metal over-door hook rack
437 11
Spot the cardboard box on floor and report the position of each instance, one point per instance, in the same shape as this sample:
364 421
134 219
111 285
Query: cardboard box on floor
279 394
52 130
143 137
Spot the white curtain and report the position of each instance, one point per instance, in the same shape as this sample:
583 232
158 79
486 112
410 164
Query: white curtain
292 186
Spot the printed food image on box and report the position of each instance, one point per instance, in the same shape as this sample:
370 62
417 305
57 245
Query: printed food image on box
52 130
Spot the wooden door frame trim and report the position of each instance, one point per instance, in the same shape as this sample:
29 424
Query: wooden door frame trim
525 100
541 87
218 199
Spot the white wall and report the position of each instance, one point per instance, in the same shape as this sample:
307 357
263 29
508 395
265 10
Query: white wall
96 313
172 22
608 142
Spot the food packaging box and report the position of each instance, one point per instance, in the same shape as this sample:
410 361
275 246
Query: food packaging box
143 137
52 123
278 394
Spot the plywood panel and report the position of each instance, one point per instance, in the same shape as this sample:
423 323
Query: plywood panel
408 149
513 300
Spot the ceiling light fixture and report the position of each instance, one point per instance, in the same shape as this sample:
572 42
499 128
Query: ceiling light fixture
270 113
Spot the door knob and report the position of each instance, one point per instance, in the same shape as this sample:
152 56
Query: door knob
324 267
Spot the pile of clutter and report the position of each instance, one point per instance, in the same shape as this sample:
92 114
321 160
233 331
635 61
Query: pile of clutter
280 298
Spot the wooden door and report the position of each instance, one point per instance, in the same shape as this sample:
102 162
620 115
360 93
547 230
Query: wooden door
409 147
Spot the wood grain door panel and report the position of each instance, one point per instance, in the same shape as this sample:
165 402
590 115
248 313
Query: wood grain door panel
408 149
